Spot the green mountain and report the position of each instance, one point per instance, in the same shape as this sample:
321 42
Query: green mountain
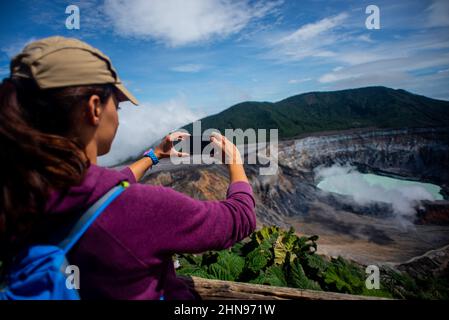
378 107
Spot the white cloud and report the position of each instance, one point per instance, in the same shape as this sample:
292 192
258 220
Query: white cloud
438 13
404 47
311 40
181 22
356 58
188 68
395 67
143 125
312 30
295 81
365 37
410 62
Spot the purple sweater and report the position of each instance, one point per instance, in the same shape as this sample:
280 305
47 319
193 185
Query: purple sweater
127 252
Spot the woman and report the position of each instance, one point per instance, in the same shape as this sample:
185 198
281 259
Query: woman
58 113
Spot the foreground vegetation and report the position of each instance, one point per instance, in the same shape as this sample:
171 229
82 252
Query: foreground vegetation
277 257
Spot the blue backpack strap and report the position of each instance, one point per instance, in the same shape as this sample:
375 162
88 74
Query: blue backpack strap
86 220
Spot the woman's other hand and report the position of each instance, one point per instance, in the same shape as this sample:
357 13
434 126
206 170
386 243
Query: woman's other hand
166 148
230 156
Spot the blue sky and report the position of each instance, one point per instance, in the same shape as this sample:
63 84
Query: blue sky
184 59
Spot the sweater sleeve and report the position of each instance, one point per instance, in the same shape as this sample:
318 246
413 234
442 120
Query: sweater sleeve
186 225
129 174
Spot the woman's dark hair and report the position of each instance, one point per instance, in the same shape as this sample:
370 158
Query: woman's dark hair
39 152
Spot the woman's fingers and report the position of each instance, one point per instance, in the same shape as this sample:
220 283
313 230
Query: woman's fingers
175 153
216 135
178 135
218 139
215 140
229 151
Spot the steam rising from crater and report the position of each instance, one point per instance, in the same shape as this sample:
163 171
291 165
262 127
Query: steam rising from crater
366 189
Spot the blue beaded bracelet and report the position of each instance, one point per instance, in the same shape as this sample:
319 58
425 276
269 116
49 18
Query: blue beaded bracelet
150 154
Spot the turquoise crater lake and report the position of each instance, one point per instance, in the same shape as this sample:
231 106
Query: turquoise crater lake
378 188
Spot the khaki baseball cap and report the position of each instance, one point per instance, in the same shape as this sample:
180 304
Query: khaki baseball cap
60 62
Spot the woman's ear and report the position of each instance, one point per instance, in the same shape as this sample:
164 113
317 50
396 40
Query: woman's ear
94 110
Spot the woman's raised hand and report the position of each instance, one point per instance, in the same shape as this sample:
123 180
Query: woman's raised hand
165 149
231 156
230 153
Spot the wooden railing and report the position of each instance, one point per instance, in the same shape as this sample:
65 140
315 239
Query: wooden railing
228 290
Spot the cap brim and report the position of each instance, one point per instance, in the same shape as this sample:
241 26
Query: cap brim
125 95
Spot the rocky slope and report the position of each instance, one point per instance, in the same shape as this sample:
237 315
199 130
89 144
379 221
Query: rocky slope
421 153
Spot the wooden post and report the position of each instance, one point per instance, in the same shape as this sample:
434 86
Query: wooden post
227 290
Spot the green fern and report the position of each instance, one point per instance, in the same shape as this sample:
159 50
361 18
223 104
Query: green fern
273 276
228 266
342 276
297 277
